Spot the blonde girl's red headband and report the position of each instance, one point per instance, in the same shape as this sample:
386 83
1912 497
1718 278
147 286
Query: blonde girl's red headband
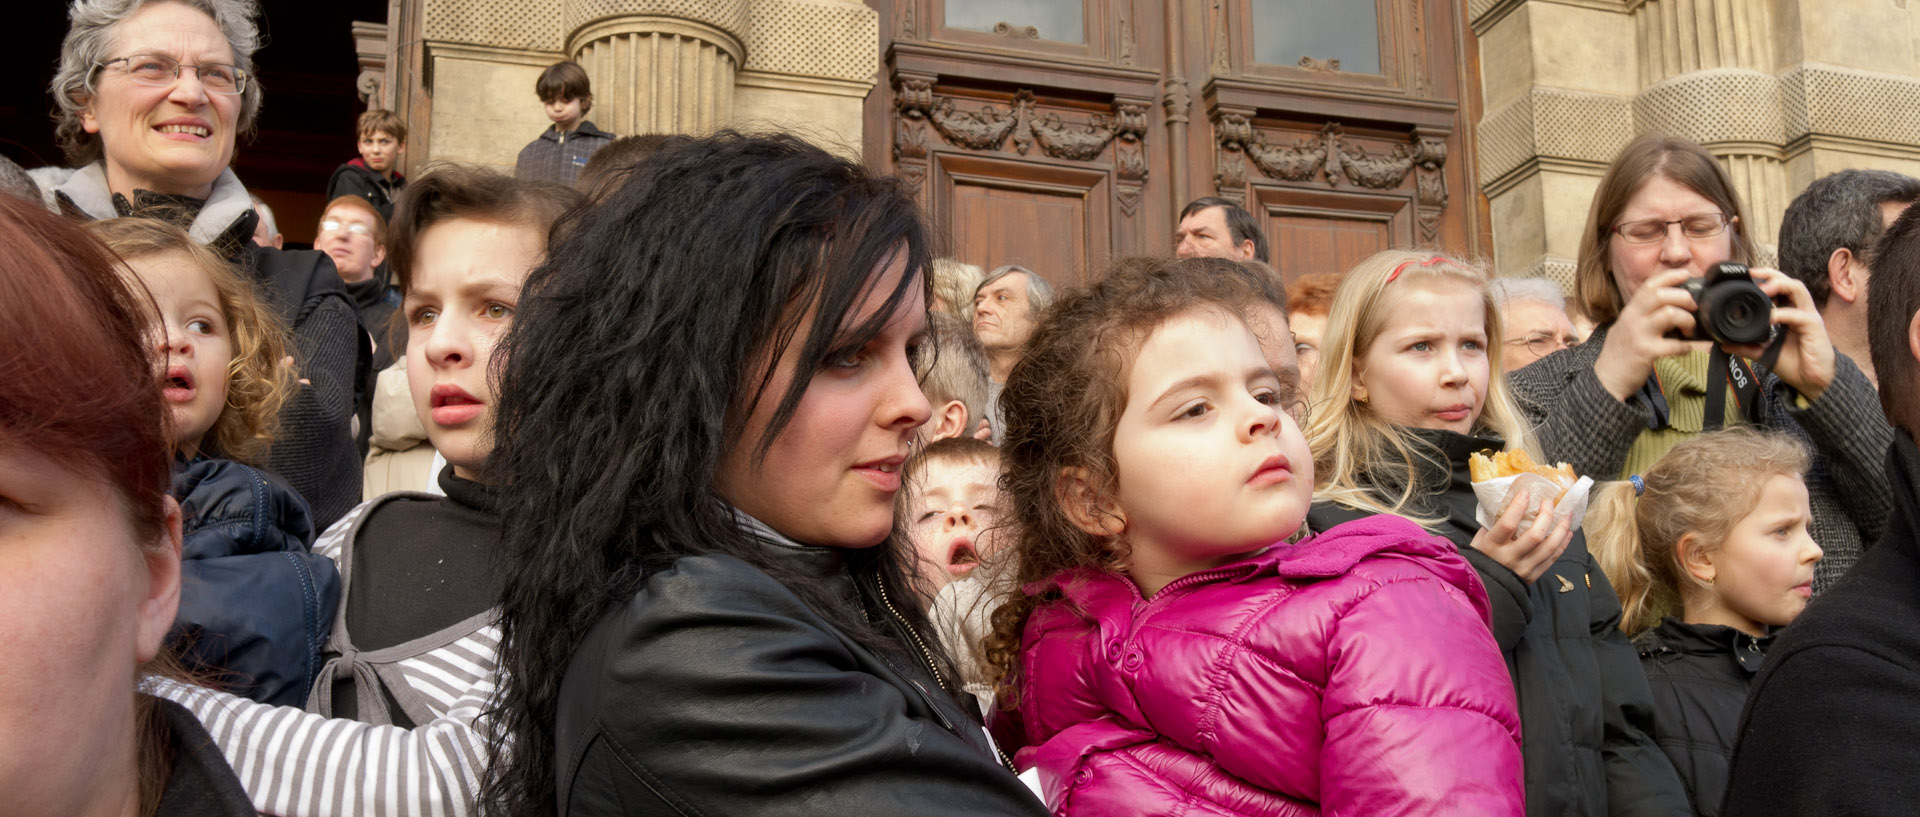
1411 263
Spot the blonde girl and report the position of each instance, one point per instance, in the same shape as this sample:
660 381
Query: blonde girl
1711 553
256 603
1409 385
1170 651
226 371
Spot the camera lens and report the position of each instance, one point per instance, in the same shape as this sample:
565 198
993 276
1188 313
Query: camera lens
1736 312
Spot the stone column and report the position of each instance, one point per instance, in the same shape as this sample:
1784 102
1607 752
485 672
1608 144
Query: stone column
1707 74
1782 91
1558 82
658 66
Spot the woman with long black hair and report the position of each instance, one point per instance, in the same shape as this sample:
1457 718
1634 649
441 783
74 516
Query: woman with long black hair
699 446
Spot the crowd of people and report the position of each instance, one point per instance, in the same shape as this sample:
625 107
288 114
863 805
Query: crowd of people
675 475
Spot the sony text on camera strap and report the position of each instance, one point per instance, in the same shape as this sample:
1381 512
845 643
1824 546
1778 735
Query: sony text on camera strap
1722 369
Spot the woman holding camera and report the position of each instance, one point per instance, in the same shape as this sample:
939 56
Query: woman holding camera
1665 214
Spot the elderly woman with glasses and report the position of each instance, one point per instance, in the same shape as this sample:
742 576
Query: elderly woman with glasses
151 96
1665 213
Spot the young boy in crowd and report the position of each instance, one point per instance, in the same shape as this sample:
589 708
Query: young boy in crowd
950 499
950 506
562 151
354 235
1308 300
375 175
955 381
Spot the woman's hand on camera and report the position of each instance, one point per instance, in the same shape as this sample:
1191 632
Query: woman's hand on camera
1527 551
1639 336
1806 356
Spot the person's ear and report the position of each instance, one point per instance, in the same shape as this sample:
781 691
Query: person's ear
88 122
379 254
1691 553
1246 249
1087 507
1840 279
161 601
950 420
1913 336
1359 388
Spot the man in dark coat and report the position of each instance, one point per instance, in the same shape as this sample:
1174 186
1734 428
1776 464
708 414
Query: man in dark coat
1831 723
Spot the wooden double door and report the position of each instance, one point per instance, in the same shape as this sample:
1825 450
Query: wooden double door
1059 134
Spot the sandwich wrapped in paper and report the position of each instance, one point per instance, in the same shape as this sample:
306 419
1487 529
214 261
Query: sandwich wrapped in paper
1507 476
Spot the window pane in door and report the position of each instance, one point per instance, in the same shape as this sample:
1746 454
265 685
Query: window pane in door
1057 20
1285 31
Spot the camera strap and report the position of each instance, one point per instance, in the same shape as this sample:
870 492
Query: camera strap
1722 370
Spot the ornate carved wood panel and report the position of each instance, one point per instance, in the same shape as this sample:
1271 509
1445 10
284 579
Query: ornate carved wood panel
1070 153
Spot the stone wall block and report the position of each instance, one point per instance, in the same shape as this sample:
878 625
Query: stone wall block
529 25
1715 106
729 16
1556 124
824 39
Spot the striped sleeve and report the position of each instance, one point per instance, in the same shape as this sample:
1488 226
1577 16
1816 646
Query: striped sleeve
299 764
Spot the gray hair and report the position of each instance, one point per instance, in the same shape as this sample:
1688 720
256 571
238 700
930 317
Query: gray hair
1039 292
1538 290
93 26
14 179
266 215
1840 210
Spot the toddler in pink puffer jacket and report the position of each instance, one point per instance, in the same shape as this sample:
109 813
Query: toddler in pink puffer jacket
1169 651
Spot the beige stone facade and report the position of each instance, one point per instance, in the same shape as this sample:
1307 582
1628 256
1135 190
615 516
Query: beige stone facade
1783 91
658 66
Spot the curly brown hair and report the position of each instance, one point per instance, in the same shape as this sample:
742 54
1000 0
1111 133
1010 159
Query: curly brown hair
1061 404
258 380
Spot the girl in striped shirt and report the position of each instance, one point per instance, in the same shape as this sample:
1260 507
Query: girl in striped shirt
392 725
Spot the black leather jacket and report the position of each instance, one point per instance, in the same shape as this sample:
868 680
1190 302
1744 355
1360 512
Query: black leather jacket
715 690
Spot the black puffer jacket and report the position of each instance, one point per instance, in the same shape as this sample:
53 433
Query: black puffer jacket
255 604
1699 674
1586 717
716 690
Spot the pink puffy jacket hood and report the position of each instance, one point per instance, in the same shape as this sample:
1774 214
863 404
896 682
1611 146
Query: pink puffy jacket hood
1352 673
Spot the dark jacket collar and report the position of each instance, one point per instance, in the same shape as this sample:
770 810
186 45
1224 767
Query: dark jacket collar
1681 638
826 563
360 164
370 292
469 493
199 780
1903 470
587 128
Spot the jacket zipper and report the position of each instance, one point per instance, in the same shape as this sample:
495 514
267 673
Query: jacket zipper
901 621
933 667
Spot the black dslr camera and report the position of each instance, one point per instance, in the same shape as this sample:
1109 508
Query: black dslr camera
1729 307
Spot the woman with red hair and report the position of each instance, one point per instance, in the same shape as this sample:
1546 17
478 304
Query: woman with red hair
89 544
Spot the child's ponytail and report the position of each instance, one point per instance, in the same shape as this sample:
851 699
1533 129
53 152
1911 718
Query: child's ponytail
1703 487
1613 537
